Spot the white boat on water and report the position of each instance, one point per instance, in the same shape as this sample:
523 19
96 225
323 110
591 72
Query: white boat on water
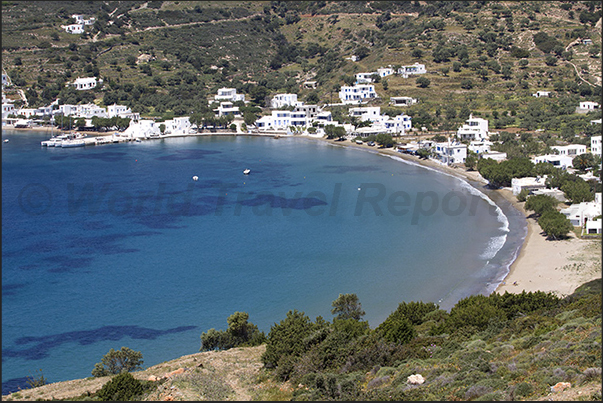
6 140
246 172
55 141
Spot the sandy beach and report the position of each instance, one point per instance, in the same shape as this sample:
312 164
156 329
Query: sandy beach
542 265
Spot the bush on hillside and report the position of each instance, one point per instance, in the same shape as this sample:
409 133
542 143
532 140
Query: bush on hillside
121 388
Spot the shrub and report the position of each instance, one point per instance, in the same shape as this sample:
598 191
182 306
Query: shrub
287 338
122 387
523 389
115 362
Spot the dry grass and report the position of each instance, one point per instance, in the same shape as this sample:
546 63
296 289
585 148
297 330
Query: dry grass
224 375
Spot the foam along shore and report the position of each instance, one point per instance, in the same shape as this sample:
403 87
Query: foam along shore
542 265
552 266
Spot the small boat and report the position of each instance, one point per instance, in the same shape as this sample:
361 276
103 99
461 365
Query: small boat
195 178
246 172
358 141
6 140
138 140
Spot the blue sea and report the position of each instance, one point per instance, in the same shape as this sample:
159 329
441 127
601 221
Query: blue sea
116 245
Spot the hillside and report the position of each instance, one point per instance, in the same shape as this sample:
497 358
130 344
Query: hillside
546 349
165 58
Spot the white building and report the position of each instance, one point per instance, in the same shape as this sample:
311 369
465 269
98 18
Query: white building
227 109
580 213
117 110
229 94
480 147
363 78
450 152
122 111
282 120
385 71
402 101
588 106
311 111
398 125
143 128
416 68
310 84
495 155
530 183
570 150
73 28
595 145
282 100
5 80
7 108
474 129
90 110
559 161
357 94
177 126
27 112
540 94
372 113
86 83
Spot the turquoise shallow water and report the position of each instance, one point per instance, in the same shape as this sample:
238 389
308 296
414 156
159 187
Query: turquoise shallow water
116 245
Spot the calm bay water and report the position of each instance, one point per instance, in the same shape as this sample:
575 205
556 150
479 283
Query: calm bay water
116 245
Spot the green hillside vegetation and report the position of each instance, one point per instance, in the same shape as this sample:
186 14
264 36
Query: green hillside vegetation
497 347
164 59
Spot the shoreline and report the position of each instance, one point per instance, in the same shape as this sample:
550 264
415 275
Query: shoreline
539 265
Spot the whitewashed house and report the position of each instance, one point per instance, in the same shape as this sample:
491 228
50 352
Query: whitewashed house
450 152
73 28
559 161
357 94
372 113
385 71
282 100
7 108
402 101
144 128
580 213
416 68
227 109
323 117
86 83
398 125
90 110
541 94
529 183
595 145
310 84
117 110
474 129
570 150
588 106
281 120
480 147
495 155
229 94
27 112
310 110
5 80
177 126
363 78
